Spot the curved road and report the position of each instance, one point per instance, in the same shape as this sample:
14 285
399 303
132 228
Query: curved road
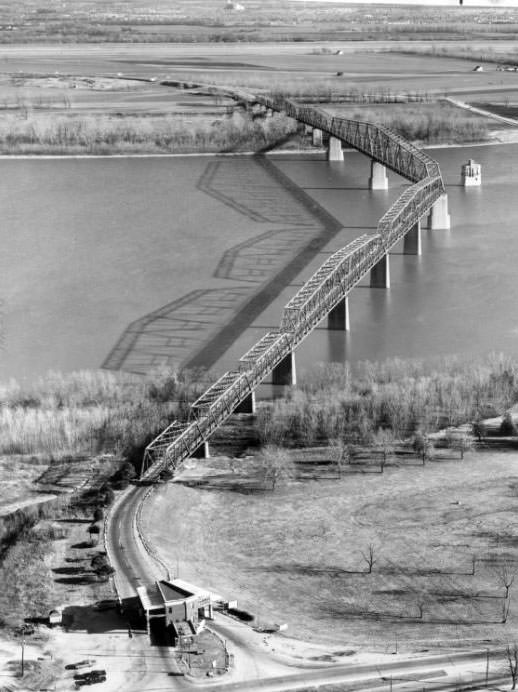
134 567
254 669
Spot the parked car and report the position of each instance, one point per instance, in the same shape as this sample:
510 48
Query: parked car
80 664
90 674
105 605
90 681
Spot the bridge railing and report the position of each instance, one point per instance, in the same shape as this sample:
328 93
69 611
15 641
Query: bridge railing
377 141
325 288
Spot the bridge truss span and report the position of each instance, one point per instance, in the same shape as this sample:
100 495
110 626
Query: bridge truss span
323 291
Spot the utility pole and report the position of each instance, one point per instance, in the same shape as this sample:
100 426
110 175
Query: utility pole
23 649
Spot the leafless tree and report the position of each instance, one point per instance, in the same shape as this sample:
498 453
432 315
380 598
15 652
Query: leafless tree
479 429
460 441
370 558
384 440
506 606
422 446
276 465
340 454
93 530
506 574
512 663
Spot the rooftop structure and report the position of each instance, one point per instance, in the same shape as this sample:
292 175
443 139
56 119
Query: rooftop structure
175 610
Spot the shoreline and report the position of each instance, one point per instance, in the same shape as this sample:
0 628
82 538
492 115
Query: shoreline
286 152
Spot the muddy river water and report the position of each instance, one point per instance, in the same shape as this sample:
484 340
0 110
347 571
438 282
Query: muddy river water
135 262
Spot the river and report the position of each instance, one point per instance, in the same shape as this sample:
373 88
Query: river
135 262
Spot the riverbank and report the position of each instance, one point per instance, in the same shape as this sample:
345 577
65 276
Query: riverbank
497 138
42 134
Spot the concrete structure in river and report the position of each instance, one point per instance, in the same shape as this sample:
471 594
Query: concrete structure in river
471 174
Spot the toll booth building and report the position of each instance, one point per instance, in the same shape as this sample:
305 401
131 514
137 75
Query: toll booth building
175 611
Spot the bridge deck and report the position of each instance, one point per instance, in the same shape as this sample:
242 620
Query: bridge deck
326 287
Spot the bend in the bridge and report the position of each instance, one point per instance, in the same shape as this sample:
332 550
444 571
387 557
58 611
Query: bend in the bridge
326 292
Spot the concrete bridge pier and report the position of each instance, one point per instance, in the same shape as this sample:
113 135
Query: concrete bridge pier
412 241
380 273
247 405
334 152
202 452
439 219
338 317
285 372
317 137
378 179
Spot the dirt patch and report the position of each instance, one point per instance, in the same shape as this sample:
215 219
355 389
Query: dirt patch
77 82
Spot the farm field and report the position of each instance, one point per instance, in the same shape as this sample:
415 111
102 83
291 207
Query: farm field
295 555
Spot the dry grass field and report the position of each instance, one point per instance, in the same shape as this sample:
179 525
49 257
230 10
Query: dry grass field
296 554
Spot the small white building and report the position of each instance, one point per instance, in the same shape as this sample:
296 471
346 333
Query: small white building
176 609
55 617
471 174
231 5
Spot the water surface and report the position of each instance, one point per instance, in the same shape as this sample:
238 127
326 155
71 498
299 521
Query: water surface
176 246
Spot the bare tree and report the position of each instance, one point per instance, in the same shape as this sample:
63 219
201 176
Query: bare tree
479 430
340 454
512 663
94 530
422 446
384 440
506 574
460 441
506 606
276 465
370 558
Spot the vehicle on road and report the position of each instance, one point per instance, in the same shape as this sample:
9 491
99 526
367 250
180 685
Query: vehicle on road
108 604
80 664
92 678
90 674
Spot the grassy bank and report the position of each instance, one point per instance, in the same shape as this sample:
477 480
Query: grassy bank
403 396
26 578
42 134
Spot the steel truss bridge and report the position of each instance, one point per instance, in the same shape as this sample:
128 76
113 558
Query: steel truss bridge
329 285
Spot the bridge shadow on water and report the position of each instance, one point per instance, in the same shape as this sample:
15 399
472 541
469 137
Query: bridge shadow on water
197 329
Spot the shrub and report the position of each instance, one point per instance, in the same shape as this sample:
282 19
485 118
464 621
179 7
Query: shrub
400 396
508 426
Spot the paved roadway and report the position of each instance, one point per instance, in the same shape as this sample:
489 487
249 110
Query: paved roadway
255 669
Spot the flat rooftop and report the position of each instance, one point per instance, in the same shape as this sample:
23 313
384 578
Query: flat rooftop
164 591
